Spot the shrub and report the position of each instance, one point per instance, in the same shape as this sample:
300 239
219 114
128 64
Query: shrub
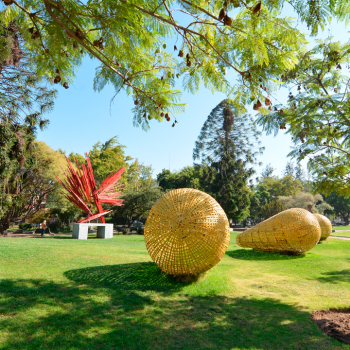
25 226
125 230
55 226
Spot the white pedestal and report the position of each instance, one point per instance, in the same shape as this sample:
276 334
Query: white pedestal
80 231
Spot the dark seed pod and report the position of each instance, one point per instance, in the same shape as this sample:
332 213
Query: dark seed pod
276 109
173 125
31 30
65 85
256 8
256 107
167 116
222 14
75 45
268 101
162 114
189 63
79 34
325 173
270 108
162 78
175 48
136 102
47 50
181 54
57 71
144 115
96 43
259 103
81 51
8 2
69 36
227 21
58 79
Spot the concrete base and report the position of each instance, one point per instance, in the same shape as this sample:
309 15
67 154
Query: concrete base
80 231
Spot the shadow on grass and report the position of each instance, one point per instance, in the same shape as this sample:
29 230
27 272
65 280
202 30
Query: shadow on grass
335 276
143 276
41 314
250 254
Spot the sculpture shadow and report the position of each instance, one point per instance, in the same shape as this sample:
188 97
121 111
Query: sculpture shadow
250 254
142 276
335 276
65 315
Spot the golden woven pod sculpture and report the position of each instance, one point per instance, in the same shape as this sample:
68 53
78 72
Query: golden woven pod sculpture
187 232
294 230
326 226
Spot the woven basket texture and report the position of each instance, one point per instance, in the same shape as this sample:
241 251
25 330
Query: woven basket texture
326 226
294 230
187 232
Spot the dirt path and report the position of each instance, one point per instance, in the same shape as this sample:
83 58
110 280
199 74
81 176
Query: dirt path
339 237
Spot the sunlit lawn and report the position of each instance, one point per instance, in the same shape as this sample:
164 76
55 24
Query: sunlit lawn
59 293
342 231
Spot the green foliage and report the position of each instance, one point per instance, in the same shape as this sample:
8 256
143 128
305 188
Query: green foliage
137 204
317 116
25 226
107 157
23 100
272 208
270 188
129 40
341 206
198 177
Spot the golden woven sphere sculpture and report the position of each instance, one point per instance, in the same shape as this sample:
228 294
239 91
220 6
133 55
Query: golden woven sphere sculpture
293 231
326 226
187 232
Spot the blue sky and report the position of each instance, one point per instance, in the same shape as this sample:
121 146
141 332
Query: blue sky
82 117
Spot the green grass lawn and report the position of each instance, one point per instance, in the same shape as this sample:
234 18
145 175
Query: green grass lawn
59 293
342 231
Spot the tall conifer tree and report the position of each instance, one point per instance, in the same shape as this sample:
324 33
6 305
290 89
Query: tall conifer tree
228 143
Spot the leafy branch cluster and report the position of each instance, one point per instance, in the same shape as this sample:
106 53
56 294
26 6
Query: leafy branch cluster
318 114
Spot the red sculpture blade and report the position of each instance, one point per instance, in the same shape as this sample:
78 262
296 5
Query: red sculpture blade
81 188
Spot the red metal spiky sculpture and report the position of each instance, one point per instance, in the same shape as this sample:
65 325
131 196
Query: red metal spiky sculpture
82 191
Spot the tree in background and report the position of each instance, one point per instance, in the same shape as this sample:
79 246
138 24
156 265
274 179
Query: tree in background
140 194
317 115
267 172
38 183
24 98
341 206
198 176
107 157
272 208
228 143
269 188
303 200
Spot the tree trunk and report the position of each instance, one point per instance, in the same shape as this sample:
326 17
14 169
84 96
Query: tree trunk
4 226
